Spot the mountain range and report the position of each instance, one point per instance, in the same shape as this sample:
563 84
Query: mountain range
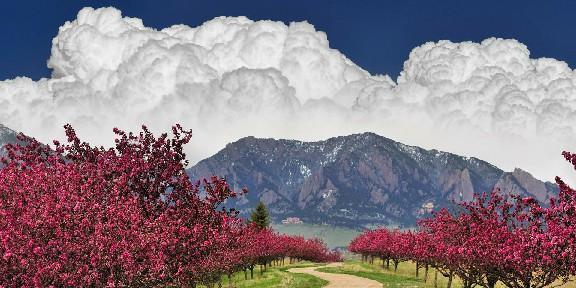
7 135
361 180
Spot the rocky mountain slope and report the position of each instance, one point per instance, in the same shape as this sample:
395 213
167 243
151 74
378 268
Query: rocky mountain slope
7 135
357 180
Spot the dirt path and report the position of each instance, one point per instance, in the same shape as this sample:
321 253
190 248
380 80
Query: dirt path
338 280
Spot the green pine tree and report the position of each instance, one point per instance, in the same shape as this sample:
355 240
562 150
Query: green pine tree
260 216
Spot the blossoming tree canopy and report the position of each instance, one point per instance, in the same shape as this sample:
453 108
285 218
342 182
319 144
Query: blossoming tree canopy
495 237
77 215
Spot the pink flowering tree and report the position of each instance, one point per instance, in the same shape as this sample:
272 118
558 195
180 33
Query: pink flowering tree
493 238
77 215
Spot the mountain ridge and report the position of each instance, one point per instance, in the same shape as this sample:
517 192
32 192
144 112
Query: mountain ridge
7 135
360 179
357 180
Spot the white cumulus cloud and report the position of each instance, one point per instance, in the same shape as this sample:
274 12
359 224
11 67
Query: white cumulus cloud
232 77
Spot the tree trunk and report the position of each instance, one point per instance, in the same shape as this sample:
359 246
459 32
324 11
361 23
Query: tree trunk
245 274
417 269
388 263
491 281
252 272
395 266
435 278
426 273
230 280
449 281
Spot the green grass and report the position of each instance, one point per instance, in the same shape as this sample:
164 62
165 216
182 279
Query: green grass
404 277
390 280
276 277
408 269
301 280
333 236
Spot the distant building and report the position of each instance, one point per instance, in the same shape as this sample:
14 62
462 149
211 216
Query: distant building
292 220
426 208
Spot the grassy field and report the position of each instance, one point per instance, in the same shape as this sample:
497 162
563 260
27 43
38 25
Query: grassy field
404 277
279 277
276 277
391 280
332 236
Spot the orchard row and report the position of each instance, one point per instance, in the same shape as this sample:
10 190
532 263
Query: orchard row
495 238
76 215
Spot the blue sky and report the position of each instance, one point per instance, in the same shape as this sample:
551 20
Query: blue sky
377 35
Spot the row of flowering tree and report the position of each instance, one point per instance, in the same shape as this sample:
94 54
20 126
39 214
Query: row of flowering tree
494 238
267 248
75 215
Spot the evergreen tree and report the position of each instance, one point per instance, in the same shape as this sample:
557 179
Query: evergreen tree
260 216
